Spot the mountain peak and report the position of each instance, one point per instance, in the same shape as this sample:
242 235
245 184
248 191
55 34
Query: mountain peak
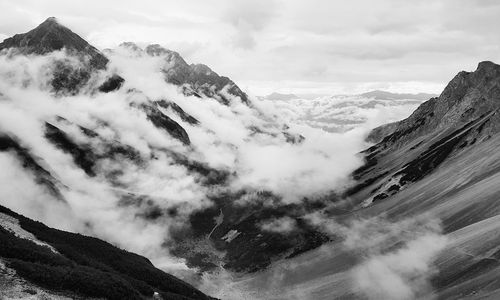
50 21
487 65
51 36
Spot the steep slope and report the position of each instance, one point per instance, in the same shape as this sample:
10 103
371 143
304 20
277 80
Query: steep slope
467 96
76 265
443 161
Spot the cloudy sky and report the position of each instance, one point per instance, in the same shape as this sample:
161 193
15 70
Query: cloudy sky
313 46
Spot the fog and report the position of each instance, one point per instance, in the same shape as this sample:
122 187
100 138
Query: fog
258 160
371 258
246 141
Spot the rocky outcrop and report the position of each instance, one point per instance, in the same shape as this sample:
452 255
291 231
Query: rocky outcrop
164 122
111 84
30 163
179 111
378 133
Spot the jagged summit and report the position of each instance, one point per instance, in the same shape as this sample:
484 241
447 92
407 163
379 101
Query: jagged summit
131 46
50 36
196 79
486 65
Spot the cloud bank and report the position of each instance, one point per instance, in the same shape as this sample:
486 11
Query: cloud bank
141 189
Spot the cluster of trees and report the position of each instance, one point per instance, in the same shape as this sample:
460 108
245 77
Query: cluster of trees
87 266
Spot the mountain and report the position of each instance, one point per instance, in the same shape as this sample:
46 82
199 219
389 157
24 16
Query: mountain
443 161
383 95
195 79
51 36
36 259
279 96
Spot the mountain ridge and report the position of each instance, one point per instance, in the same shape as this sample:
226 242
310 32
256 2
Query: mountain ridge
194 79
460 101
51 35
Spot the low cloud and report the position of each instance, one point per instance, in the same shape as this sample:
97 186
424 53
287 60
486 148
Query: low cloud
282 225
396 258
128 201
369 258
402 274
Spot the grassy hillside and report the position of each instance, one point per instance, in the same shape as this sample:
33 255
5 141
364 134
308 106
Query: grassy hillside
86 266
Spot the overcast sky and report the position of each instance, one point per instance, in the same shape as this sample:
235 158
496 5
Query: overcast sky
301 46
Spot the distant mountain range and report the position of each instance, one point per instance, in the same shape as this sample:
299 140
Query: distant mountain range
279 96
383 95
376 95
